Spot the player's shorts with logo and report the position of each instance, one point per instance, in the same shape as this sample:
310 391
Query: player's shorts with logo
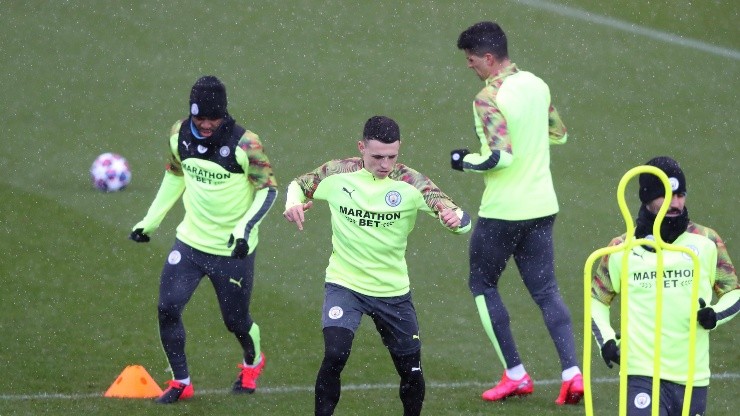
232 279
640 401
394 317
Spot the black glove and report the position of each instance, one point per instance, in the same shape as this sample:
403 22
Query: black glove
456 158
706 316
610 353
241 248
139 236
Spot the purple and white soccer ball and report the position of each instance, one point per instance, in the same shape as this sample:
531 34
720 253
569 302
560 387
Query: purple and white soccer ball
110 172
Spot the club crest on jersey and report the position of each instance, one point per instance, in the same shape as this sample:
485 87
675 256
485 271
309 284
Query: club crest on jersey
393 198
692 248
224 151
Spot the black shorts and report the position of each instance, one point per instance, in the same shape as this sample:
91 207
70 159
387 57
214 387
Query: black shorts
640 401
394 317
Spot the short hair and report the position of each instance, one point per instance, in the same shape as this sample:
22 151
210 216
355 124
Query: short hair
482 38
382 129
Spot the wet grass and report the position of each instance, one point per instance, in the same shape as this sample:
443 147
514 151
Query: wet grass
78 300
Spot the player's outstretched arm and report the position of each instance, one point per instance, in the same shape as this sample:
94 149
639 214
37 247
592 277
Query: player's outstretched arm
170 190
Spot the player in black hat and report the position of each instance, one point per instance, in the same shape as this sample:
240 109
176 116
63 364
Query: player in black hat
717 279
227 187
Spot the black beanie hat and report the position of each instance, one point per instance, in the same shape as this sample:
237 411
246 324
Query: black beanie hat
382 129
208 98
651 186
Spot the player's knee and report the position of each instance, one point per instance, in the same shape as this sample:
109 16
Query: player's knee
168 312
547 295
409 368
337 345
336 355
477 285
553 309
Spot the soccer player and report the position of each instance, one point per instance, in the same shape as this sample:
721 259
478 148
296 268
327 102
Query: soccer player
716 274
515 124
227 187
374 203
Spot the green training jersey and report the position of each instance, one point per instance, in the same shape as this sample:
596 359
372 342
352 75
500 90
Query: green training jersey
515 123
371 219
717 275
227 188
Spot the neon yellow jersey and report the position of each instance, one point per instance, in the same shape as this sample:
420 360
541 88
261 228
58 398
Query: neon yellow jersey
371 219
516 124
716 275
227 188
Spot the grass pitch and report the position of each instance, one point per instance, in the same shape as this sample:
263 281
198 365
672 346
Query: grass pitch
78 302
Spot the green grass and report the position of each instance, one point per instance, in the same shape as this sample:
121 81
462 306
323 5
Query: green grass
78 302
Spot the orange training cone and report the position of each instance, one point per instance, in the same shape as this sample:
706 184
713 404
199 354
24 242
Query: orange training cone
134 383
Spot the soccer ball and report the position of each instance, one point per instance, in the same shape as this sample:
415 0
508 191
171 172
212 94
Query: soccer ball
110 172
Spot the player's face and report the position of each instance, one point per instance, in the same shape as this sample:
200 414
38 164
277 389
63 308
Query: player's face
676 208
379 158
206 126
481 65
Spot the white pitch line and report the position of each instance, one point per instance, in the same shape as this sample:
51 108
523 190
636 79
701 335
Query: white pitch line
632 28
310 389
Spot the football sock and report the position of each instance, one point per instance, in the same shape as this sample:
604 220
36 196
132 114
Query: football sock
257 362
516 373
569 373
184 381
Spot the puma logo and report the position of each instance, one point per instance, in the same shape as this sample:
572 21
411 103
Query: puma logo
348 192
236 282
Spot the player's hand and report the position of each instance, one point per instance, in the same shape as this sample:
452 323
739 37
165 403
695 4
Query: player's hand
295 213
456 158
706 316
241 248
448 216
139 236
610 353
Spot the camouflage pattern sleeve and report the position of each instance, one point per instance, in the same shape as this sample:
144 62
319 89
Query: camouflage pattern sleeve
431 193
310 181
726 277
602 288
173 160
558 132
492 121
259 171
